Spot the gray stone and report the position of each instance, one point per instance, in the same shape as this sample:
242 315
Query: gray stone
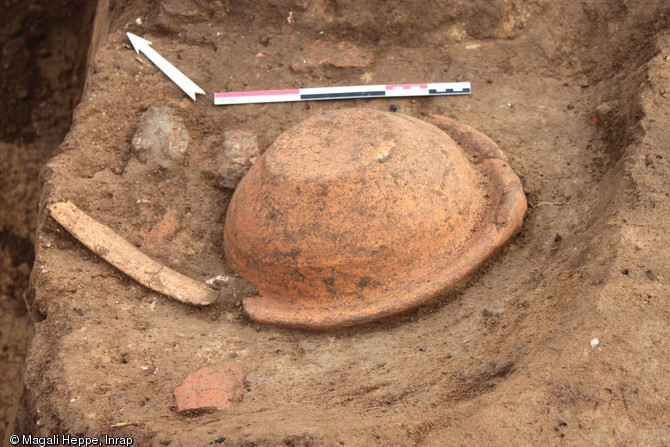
240 151
161 137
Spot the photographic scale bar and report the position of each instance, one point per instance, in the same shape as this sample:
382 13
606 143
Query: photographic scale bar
348 92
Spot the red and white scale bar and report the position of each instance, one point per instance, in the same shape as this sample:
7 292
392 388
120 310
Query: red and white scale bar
348 92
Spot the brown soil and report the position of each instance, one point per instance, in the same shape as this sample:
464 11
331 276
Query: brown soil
43 45
561 339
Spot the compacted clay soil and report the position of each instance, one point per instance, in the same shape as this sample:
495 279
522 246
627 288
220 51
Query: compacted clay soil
560 339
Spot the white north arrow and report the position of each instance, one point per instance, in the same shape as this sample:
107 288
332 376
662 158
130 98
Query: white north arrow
189 87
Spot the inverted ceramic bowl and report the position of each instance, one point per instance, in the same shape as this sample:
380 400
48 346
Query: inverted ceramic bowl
358 214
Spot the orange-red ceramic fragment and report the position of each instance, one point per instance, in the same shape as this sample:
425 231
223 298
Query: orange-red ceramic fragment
214 386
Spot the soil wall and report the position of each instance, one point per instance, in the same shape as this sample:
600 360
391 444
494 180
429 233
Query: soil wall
43 46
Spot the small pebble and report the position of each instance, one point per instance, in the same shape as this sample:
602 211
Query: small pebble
217 281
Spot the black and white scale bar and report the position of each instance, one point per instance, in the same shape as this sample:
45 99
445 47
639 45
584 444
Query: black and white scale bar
347 92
